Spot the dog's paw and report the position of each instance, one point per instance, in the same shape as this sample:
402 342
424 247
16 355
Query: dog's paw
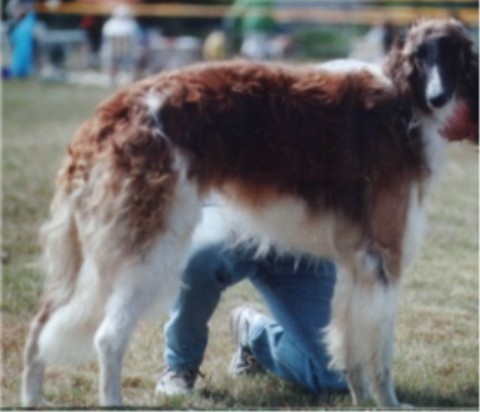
38 403
44 404
407 406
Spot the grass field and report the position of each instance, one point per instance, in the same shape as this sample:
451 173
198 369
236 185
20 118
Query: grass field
436 358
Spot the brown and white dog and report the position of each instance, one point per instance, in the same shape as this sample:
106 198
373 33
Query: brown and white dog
335 161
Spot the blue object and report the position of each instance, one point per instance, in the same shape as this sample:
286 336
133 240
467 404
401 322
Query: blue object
22 37
6 73
298 295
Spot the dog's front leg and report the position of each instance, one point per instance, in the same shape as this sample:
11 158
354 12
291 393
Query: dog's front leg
358 384
360 336
339 340
371 325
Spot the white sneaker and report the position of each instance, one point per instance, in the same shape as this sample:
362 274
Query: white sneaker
243 362
174 383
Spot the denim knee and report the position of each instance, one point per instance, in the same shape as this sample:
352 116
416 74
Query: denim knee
208 268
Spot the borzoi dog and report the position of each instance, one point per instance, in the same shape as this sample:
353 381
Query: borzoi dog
335 161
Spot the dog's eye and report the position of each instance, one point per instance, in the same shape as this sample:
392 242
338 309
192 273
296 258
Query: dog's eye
449 45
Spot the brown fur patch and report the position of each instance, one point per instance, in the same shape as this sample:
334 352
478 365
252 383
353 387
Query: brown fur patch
325 138
123 135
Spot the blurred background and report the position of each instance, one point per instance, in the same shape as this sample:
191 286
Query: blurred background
113 42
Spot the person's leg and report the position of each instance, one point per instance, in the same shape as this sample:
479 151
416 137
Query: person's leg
298 295
208 273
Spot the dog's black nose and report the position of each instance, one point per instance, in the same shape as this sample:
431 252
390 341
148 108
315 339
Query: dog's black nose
438 101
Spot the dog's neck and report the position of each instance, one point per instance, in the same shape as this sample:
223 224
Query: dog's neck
432 125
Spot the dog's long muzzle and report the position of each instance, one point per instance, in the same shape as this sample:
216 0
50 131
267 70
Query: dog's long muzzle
437 93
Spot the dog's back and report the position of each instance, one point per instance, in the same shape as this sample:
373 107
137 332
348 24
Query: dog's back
257 132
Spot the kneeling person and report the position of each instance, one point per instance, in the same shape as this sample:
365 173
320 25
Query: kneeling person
298 294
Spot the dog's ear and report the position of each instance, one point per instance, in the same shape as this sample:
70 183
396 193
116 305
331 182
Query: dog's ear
469 87
463 125
470 56
397 65
399 41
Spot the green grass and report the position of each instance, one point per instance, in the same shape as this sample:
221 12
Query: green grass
436 357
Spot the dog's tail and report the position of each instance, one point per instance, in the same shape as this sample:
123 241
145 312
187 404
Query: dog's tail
71 288
112 193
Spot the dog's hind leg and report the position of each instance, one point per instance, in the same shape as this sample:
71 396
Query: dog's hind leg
111 339
137 286
138 282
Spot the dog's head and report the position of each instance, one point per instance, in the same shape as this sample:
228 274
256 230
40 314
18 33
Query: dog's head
435 63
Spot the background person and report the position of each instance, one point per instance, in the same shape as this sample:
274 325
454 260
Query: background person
22 37
121 50
92 27
251 24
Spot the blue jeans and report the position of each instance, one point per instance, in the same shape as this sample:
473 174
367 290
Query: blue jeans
297 293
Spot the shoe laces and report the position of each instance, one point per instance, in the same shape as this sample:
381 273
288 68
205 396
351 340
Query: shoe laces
175 373
248 362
